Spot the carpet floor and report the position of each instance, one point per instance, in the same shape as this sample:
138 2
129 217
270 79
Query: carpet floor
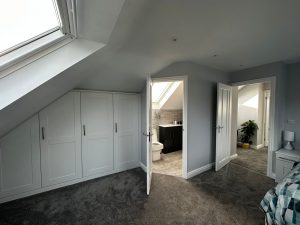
256 160
169 164
230 196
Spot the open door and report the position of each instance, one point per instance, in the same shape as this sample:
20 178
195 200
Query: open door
149 133
224 102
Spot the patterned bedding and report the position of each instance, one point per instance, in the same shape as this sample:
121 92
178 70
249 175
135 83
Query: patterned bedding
282 203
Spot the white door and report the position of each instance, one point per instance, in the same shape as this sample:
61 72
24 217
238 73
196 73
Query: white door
60 135
266 118
149 133
20 159
223 128
126 131
97 133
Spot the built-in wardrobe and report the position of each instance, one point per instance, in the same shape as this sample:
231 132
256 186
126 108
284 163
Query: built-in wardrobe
80 136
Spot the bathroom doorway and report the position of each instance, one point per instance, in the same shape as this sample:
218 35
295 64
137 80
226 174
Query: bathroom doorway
168 122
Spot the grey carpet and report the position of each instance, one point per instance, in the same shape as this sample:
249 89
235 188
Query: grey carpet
169 164
256 160
230 196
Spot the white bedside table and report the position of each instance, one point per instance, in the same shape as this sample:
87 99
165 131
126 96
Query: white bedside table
285 160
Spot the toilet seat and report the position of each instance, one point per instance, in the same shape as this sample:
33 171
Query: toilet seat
157 146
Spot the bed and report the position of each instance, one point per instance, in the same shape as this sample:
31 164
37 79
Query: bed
281 204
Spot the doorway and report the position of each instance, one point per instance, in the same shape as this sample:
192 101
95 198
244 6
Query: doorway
253 104
168 121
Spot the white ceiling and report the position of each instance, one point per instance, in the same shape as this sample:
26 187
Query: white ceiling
239 32
242 33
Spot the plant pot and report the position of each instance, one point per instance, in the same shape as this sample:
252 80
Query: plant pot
246 146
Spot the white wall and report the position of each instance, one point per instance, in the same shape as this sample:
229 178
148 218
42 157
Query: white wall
175 101
255 113
202 92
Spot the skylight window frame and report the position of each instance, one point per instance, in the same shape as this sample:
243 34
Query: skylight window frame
166 89
42 44
22 44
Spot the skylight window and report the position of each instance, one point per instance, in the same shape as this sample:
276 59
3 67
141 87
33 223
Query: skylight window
22 21
158 90
162 91
28 27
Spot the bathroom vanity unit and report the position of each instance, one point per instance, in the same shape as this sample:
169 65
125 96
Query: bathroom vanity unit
170 136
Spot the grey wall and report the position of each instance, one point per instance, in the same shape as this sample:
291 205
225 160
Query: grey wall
293 101
144 127
278 70
202 90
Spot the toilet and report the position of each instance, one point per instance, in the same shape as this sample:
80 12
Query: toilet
156 146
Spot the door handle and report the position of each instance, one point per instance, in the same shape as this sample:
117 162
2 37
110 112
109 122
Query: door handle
219 128
116 127
83 130
43 133
148 135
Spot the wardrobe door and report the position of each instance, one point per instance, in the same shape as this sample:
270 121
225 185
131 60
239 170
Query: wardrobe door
20 159
126 118
97 133
60 134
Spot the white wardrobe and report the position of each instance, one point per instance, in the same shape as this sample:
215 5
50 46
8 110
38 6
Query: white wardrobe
97 132
20 159
60 138
80 136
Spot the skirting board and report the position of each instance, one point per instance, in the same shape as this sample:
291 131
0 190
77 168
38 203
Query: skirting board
273 175
257 146
233 156
142 165
200 170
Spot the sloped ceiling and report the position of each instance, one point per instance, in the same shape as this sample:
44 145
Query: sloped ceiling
175 101
241 34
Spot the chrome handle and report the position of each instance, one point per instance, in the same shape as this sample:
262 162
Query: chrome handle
219 128
116 127
83 130
43 133
148 135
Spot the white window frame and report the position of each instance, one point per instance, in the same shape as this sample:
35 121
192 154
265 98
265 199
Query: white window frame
36 47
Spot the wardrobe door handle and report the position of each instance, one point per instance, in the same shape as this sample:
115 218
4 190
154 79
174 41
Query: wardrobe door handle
83 130
43 133
116 127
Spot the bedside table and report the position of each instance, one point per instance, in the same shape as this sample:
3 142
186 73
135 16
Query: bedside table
285 160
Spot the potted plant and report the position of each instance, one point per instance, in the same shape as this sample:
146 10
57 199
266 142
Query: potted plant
248 130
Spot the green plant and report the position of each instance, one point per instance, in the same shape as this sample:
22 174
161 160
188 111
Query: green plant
248 130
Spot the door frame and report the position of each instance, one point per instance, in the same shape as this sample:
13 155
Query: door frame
272 119
184 80
267 95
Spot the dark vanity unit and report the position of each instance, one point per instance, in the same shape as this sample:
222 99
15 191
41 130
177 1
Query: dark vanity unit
171 137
